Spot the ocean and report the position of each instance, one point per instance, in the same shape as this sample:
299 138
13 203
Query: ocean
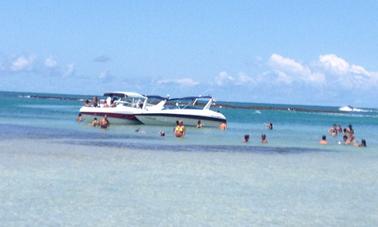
55 171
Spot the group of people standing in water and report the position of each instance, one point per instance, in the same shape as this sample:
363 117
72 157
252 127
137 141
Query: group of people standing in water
179 130
102 123
347 133
263 137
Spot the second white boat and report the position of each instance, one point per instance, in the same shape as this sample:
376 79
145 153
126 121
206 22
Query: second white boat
189 114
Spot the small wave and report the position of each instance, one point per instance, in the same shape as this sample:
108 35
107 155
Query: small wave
52 97
55 107
349 114
24 96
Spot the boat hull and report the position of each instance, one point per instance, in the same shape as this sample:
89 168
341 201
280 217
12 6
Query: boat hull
115 116
170 119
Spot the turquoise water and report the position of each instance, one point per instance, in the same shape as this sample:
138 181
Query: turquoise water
57 172
300 129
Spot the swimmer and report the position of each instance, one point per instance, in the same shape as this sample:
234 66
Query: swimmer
246 138
95 122
323 141
222 126
162 133
199 124
345 139
177 124
363 143
79 118
269 126
104 122
180 129
264 140
333 130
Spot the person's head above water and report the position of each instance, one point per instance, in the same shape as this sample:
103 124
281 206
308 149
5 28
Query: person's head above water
246 138
363 143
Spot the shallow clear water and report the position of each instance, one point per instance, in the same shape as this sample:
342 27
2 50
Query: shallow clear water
54 171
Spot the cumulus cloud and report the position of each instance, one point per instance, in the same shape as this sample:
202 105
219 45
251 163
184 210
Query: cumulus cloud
22 63
347 74
187 82
101 58
289 70
339 65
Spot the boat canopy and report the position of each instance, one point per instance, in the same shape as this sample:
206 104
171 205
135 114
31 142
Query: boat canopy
123 94
191 98
158 97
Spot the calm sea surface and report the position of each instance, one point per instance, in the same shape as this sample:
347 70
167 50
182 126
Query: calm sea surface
55 171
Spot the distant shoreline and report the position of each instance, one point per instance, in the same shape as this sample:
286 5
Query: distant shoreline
218 104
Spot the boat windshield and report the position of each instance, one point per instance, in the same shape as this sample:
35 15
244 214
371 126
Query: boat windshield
195 102
128 99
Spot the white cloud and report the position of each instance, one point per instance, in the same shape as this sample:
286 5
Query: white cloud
283 77
50 62
340 66
22 63
334 63
289 70
347 74
187 82
287 64
359 70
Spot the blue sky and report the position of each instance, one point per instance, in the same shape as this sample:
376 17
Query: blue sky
306 52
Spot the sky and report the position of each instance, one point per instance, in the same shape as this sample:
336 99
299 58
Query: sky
293 52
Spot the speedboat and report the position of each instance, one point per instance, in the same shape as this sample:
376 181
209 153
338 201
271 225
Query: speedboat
120 107
349 108
346 108
189 113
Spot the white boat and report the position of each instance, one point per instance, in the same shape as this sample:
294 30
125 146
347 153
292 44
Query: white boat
189 114
119 107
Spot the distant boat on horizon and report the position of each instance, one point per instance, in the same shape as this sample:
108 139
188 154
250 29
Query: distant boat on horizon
349 108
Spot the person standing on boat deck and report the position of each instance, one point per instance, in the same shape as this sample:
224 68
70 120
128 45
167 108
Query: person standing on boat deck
87 103
95 101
